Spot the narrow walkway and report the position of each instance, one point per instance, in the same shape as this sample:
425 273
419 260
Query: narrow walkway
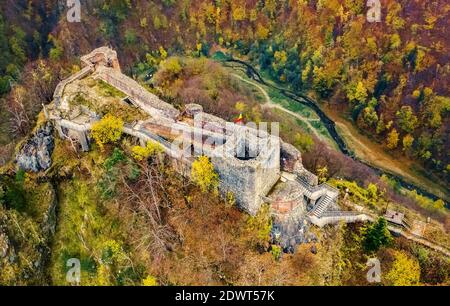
406 234
423 241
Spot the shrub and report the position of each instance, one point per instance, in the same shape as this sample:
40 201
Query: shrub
425 202
116 157
149 281
260 226
141 153
108 130
303 141
405 271
276 251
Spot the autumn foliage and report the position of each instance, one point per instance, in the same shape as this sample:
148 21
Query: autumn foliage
204 175
107 130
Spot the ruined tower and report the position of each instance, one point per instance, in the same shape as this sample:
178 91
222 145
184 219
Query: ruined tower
102 56
248 166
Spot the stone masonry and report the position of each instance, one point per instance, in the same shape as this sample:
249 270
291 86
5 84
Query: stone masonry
272 174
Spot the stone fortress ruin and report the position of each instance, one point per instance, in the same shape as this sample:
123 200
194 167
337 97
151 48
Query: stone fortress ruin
273 173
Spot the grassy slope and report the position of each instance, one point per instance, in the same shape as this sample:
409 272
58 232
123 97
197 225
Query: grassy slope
271 98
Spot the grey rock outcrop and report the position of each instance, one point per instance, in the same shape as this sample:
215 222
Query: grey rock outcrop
49 218
35 154
4 244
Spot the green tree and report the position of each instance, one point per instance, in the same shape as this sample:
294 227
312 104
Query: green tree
377 235
276 251
170 68
357 92
372 190
303 141
130 37
370 116
406 119
381 126
396 41
260 226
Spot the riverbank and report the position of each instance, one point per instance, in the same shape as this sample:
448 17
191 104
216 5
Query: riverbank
373 154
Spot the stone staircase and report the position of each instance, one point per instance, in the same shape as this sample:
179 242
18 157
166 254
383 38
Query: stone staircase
322 206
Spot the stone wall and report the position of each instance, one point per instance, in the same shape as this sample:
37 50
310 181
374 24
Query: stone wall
291 158
241 181
102 56
337 217
249 180
59 91
147 101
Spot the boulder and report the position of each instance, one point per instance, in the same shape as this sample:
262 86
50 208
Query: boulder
35 154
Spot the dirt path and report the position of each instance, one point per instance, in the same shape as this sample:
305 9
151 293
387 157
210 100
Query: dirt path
363 150
270 104
375 155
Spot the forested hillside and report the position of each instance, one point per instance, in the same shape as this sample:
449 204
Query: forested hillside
390 77
132 219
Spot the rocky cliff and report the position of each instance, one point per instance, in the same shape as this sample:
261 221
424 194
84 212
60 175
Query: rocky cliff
35 154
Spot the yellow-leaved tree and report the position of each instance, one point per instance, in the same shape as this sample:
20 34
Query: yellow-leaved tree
149 281
392 139
405 271
322 173
108 130
151 149
203 174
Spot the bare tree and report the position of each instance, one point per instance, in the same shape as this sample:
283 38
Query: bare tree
20 122
5 153
148 199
